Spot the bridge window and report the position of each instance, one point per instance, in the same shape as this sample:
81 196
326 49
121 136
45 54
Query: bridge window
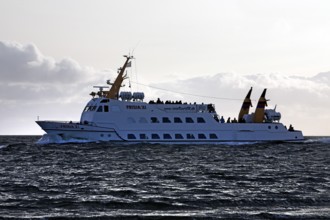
106 108
99 109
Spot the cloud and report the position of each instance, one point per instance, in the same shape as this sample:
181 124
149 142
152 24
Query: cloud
33 84
26 74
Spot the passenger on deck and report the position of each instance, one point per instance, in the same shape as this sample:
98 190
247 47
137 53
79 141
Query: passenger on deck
222 120
234 121
159 102
228 120
291 128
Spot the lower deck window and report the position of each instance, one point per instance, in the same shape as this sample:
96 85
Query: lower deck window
178 136
201 136
155 136
167 136
190 136
131 136
213 136
143 136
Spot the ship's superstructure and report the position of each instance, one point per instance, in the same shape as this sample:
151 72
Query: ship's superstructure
125 117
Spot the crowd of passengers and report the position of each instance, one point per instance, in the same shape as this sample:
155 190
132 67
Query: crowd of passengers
166 102
222 120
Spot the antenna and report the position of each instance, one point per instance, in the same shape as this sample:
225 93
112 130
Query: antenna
138 43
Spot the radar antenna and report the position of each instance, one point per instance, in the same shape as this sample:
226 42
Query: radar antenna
100 93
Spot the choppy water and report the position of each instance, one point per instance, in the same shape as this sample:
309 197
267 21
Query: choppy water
102 180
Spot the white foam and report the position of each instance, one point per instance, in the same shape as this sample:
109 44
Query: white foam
325 140
56 139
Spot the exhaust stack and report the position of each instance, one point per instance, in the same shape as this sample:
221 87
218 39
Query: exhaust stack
259 115
245 106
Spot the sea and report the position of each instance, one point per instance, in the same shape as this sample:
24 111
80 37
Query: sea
40 180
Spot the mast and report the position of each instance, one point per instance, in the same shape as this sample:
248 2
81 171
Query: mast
260 110
114 90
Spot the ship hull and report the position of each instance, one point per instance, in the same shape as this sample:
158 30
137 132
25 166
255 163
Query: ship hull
231 132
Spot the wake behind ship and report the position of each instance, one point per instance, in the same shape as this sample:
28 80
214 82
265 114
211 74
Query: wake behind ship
116 116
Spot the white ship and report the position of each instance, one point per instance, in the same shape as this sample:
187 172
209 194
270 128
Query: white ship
116 116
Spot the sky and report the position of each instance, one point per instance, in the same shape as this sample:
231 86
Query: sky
52 53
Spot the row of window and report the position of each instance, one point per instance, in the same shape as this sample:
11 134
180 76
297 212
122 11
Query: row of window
177 120
176 136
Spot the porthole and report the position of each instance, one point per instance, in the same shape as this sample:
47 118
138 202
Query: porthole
269 127
102 135
276 127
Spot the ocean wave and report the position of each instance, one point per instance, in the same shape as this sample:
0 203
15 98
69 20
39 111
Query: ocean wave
4 146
